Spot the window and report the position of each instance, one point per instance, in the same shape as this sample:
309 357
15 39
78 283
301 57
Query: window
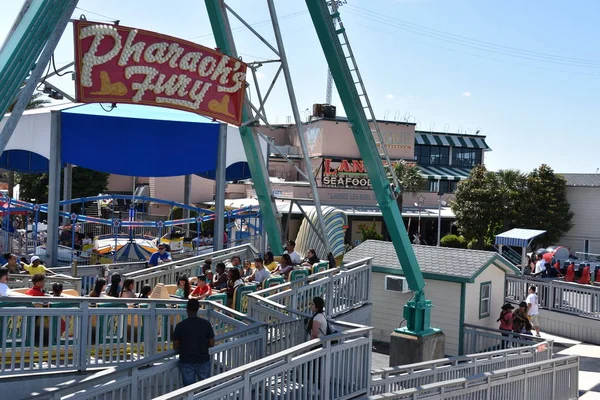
432 155
465 157
443 186
485 299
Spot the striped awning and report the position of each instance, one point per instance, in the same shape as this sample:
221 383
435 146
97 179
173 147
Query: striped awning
436 172
518 237
451 140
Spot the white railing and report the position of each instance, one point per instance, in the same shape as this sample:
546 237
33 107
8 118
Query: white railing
557 295
167 273
343 290
316 369
550 379
479 339
387 380
73 334
24 281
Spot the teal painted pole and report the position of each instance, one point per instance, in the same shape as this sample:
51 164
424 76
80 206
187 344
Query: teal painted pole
260 176
417 311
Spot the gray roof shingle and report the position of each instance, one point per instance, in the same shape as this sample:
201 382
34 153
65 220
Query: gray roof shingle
460 263
582 180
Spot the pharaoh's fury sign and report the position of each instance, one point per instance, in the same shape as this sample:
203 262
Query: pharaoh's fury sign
117 64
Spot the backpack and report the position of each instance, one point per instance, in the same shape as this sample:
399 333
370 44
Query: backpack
328 331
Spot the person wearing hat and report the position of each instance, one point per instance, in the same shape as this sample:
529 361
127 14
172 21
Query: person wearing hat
506 318
521 319
36 267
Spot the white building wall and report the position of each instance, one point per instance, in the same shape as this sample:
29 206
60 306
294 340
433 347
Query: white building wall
585 204
491 274
388 309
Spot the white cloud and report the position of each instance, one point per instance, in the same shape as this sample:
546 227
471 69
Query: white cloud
390 96
466 94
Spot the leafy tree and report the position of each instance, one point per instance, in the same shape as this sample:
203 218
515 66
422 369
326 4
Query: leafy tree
514 194
457 242
409 177
547 207
476 204
369 233
86 182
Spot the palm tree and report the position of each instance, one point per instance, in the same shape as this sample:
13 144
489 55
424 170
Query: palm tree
410 179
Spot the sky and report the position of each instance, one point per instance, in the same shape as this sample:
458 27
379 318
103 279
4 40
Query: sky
526 74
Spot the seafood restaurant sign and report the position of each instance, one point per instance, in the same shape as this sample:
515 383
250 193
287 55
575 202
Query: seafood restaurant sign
116 64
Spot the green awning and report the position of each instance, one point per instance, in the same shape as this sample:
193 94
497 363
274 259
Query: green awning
451 140
433 172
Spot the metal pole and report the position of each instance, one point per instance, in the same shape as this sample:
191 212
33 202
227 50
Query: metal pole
40 66
439 227
54 188
187 197
67 190
220 177
299 125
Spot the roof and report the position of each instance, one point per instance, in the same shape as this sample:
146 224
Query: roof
582 180
440 263
473 142
518 237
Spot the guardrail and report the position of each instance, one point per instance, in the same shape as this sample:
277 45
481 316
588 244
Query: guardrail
387 380
73 334
167 273
343 289
24 281
550 379
479 339
557 295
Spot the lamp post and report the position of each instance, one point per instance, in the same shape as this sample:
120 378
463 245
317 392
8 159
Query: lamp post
418 204
439 227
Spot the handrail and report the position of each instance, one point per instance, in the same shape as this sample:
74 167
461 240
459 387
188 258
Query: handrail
324 341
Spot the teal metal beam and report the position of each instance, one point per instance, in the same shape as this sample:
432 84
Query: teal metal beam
417 311
260 176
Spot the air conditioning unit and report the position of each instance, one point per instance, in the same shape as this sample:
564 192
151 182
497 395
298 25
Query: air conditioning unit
394 283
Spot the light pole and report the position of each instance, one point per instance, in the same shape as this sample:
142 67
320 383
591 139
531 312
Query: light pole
439 227
418 204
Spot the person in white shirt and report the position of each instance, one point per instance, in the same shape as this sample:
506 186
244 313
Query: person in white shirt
318 322
533 310
294 255
261 273
4 290
540 267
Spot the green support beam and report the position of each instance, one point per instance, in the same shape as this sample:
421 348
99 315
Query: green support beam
417 311
260 176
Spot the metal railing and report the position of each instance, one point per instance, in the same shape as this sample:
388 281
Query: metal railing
24 281
549 379
557 295
479 339
402 377
343 290
169 272
74 334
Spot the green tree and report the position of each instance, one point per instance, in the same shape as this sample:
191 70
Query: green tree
476 205
409 177
369 233
547 207
86 182
514 195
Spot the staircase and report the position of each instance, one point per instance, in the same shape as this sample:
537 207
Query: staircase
511 255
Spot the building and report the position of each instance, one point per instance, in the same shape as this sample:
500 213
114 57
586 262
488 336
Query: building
583 191
465 287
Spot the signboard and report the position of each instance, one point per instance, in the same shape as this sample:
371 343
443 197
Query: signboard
117 64
345 173
398 140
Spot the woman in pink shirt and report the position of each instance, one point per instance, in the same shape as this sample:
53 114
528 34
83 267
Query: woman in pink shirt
506 318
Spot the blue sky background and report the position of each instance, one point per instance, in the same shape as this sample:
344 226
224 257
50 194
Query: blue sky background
525 73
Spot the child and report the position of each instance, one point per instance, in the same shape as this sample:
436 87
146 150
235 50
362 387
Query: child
202 291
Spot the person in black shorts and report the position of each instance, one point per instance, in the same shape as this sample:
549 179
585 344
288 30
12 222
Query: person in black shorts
193 337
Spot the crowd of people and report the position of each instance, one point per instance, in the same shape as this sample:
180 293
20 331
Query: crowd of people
524 320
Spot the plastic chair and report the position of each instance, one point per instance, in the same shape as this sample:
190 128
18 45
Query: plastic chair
585 276
298 274
273 281
171 289
58 321
220 298
16 322
240 302
570 276
108 328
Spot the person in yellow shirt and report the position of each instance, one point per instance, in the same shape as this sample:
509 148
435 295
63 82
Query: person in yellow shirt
269 263
36 267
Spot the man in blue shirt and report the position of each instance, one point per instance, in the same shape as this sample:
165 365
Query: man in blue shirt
159 257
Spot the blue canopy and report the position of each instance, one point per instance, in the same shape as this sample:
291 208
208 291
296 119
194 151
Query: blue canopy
518 237
131 140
